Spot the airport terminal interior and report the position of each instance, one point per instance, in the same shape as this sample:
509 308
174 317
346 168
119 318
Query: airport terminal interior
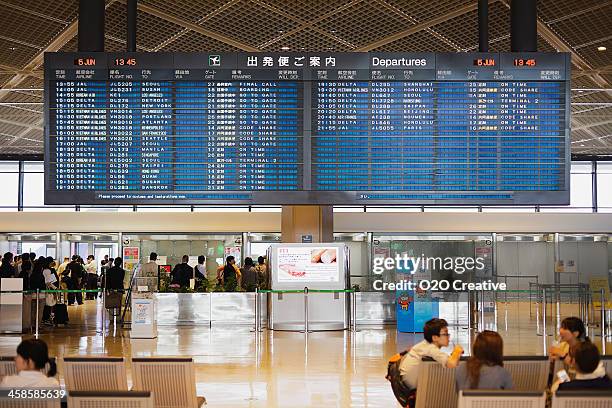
265 203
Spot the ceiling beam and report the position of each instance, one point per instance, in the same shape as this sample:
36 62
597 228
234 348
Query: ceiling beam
37 126
421 26
14 71
579 12
592 124
308 24
299 21
21 135
194 27
413 20
55 45
202 20
33 13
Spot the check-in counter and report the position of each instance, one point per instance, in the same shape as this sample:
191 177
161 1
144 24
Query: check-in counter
11 305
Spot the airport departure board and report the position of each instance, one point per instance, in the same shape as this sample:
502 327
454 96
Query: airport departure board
307 128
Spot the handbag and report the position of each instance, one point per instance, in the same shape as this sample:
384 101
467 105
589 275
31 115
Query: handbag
113 300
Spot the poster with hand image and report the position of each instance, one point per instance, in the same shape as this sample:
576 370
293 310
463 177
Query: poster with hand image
308 264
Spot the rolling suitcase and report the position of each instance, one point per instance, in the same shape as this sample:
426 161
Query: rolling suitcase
60 312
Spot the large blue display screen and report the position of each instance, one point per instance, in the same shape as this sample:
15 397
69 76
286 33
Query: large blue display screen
347 128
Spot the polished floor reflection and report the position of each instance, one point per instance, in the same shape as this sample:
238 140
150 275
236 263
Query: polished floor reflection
237 368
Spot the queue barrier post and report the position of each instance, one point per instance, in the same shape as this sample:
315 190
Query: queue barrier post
306 331
37 304
258 328
602 300
354 310
544 321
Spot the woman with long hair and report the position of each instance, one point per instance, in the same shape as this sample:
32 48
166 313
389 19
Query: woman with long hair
485 367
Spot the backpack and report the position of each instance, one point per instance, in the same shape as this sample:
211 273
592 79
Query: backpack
404 395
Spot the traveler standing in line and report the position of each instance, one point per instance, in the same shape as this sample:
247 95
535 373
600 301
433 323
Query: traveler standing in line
6 269
113 282
262 272
484 370
150 269
17 265
37 279
115 276
92 277
37 282
249 275
26 270
182 273
74 272
32 357
231 274
200 269
51 283
63 265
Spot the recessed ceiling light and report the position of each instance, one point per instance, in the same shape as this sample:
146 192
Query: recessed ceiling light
581 144
12 48
285 48
601 48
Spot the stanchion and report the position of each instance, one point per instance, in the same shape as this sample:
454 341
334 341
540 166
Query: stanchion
544 321
257 328
602 300
481 325
104 308
558 301
538 331
306 310
354 310
37 293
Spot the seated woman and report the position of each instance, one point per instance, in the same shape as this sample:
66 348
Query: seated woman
32 358
484 369
590 371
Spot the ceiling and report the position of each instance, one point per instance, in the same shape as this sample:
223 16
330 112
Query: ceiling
28 28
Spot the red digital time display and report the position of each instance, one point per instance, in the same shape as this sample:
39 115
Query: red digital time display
524 62
484 62
125 61
85 62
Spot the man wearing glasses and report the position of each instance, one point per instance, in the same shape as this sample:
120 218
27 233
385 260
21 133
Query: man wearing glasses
436 336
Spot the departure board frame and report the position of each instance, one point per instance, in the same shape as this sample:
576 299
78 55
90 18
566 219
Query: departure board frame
333 123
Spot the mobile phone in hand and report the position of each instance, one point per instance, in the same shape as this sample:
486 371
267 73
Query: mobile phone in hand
563 377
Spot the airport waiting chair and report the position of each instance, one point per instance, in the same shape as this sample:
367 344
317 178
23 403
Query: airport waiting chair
529 373
607 360
7 366
172 381
114 399
29 403
95 373
582 399
501 399
436 386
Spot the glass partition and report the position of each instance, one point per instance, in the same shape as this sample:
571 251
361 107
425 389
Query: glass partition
170 248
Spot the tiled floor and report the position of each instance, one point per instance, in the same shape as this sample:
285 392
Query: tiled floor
237 368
